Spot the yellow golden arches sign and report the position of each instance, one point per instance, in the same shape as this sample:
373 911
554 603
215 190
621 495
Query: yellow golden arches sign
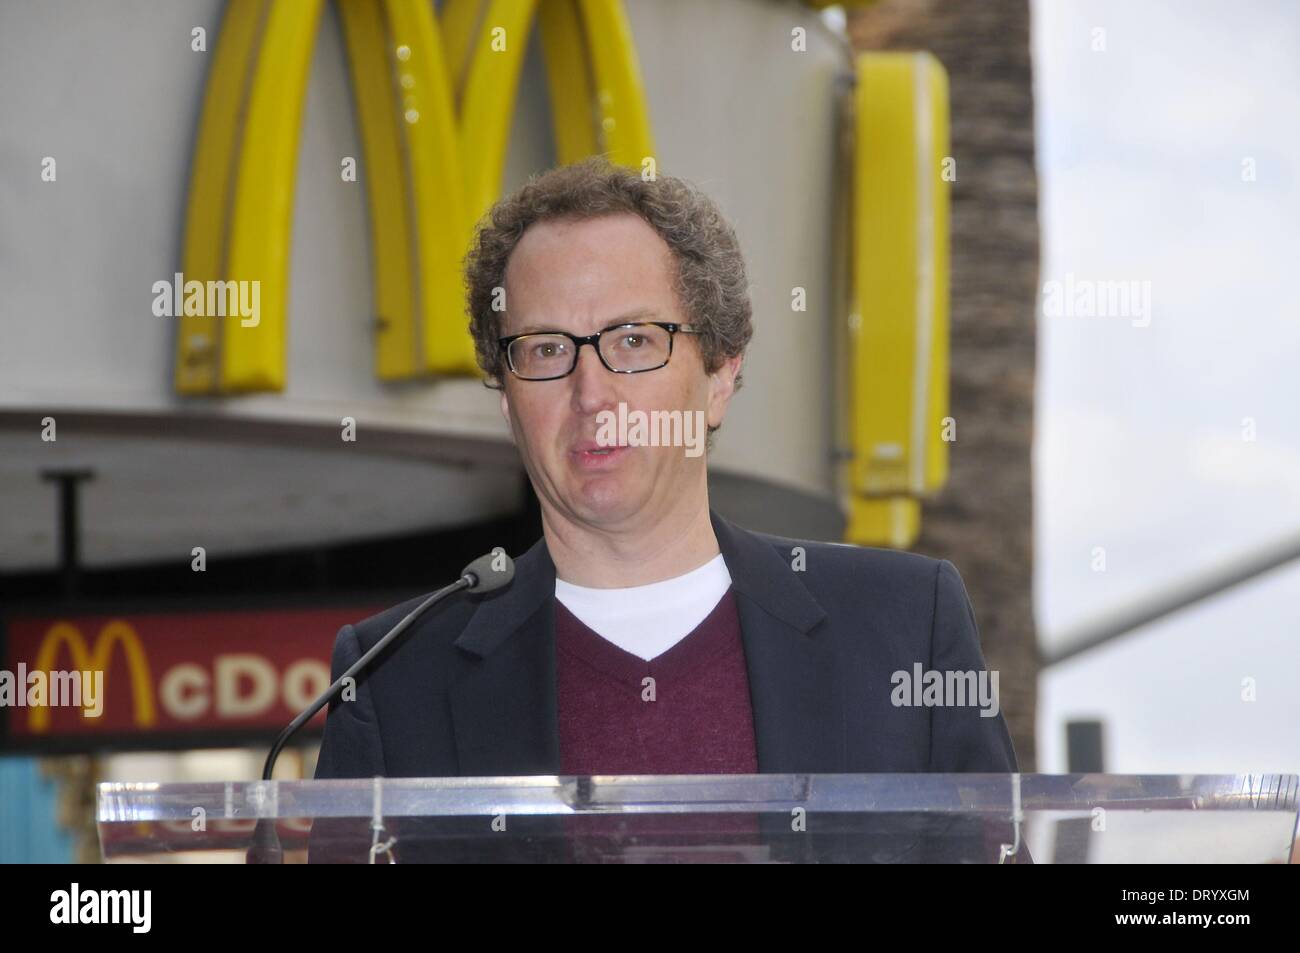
97 659
434 99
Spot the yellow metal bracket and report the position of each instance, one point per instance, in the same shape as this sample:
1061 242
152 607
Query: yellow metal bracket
899 425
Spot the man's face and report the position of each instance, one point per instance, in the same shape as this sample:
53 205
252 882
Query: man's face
582 277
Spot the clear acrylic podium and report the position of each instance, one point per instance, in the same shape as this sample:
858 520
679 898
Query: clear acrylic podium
766 818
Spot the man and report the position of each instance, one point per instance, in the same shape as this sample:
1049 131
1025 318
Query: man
643 633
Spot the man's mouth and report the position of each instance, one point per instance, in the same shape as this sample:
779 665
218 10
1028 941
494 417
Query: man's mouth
593 453
591 446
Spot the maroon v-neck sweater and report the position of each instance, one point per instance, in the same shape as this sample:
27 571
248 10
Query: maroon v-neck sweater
693 718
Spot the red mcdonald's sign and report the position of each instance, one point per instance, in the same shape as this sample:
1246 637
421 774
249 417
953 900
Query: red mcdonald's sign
168 679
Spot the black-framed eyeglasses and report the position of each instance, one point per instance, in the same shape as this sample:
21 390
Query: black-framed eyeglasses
623 348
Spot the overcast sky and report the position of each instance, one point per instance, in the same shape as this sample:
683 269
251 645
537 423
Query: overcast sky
1140 445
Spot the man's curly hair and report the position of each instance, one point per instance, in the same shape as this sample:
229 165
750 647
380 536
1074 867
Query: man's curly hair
711 288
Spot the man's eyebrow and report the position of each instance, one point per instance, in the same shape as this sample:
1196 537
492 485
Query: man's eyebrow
640 314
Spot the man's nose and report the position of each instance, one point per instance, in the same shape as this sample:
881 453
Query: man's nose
593 384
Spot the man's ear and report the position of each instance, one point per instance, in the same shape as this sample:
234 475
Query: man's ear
505 412
722 384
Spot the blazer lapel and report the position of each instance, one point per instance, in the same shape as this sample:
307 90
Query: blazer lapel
793 687
504 709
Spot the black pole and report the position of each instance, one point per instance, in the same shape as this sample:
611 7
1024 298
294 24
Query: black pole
69 526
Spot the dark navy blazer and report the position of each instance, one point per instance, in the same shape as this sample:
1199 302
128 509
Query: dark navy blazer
469 689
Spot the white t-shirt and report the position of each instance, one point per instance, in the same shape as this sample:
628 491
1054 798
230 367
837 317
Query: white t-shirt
649 620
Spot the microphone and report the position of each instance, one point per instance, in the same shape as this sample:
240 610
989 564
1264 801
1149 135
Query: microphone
488 573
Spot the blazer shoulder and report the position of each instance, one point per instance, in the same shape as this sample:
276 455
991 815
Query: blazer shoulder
849 559
385 619
372 628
